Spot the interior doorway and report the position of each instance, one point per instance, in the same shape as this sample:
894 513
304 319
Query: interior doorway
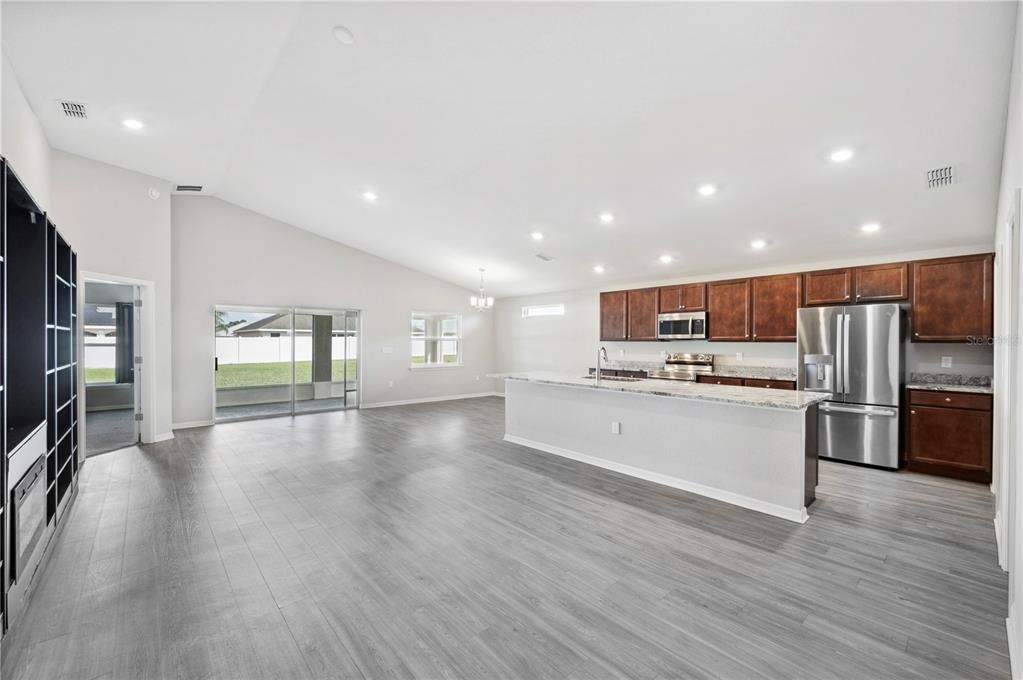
284 361
110 342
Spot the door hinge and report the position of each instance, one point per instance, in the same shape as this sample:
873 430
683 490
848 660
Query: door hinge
138 303
138 416
138 361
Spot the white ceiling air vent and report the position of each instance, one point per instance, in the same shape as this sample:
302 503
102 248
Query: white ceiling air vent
940 177
189 187
545 258
74 110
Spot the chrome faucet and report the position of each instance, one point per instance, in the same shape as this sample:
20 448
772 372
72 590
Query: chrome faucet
601 353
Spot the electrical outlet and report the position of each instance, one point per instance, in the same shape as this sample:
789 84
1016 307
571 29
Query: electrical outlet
738 356
621 352
616 428
387 349
477 378
946 362
390 383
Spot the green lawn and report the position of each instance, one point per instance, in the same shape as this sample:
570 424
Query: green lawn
277 373
99 375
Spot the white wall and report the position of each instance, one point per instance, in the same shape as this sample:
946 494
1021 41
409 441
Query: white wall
108 216
224 255
23 142
1008 434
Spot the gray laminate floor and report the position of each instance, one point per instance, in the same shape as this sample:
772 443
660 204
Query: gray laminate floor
413 542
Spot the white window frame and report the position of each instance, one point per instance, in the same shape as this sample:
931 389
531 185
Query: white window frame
540 311
458 339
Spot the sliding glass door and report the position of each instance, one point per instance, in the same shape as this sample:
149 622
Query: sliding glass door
272 362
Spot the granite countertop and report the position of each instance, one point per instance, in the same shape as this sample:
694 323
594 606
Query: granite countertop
940 387
755 372
720 371
757 397
950 382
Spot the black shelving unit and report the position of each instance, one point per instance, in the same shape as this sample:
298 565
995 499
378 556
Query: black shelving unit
4 514
39 359
61 373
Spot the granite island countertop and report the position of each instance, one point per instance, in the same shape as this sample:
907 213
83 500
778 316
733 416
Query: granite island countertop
757 397
944 387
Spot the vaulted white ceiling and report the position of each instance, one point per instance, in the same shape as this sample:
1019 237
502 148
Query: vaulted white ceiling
479 123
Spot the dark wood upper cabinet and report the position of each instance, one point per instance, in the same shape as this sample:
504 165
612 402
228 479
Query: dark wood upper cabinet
953 299
776 301
614 315
728 310
882 282
829 287
694 297
642 314
670 299
689 297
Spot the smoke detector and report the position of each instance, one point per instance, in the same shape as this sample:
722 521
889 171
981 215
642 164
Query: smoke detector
940 177
74 110
189 187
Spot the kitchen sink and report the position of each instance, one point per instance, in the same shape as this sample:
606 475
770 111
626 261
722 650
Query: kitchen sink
612 378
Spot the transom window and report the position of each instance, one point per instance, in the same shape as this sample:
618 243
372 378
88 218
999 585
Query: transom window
529 311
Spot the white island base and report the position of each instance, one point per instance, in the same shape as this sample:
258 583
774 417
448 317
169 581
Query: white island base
756 457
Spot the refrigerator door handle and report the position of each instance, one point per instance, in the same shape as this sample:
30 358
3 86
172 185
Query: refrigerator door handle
839 357
860 410
845 354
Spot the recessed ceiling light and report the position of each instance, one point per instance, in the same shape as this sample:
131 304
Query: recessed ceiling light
132 124
537 236
707 190
343 35
599 268
758 244
870 227
606 218
369 196
841 155
666 259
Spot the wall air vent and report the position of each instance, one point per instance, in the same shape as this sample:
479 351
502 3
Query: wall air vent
73 109
940 177
545 258
189 187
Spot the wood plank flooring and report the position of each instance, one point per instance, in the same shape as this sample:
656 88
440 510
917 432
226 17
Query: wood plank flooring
412 542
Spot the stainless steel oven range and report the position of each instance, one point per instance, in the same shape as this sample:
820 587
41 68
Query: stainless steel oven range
681 366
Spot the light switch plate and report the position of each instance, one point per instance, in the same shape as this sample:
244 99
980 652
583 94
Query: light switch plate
946 362
387 349
616 428
738 356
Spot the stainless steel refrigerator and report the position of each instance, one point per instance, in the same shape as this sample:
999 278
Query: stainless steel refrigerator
856 354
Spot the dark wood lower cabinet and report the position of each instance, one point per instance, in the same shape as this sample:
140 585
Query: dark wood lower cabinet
770 384
949 434
746 382
714 380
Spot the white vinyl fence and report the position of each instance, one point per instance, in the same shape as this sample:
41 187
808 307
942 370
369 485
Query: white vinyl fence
237 350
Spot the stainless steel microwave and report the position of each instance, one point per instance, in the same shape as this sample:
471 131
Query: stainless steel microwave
682 326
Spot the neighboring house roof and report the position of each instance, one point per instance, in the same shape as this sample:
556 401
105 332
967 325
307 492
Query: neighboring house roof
95 317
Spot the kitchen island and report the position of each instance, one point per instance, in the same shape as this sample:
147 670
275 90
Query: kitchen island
748 446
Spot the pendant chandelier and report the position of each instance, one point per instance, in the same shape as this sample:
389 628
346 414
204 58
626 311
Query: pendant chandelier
481 302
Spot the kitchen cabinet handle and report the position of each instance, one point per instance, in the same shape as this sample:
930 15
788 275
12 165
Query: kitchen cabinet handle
948 399
912 413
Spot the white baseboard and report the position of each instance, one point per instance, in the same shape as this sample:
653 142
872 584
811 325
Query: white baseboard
1015 649
1002 562
799 516
426 400
192 423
